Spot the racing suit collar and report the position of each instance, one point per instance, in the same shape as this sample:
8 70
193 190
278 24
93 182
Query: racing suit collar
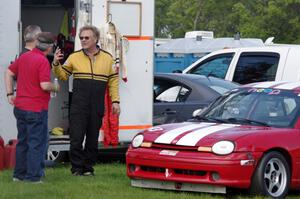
98 51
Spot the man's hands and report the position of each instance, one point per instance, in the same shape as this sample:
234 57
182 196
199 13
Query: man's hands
11 99
58 55
49 86
116 108
56 87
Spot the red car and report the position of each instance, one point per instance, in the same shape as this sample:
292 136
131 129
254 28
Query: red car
249 138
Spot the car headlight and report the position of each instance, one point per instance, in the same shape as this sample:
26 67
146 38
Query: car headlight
223 148
137 140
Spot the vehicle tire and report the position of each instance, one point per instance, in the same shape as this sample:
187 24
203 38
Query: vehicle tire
272 176
57 156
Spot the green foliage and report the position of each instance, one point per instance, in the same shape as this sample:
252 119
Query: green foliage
252 18
110 182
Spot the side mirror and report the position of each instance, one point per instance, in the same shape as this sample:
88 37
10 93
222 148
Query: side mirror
197 112
177 71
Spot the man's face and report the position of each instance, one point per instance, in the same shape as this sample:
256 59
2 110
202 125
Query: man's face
87 39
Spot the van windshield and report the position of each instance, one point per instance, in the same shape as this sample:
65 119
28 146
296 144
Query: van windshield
216 66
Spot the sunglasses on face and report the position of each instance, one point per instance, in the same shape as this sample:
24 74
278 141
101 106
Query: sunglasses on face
84 38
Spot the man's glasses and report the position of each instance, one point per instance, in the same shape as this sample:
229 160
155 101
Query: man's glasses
85 38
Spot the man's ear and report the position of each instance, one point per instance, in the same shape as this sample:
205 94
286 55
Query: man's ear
49 50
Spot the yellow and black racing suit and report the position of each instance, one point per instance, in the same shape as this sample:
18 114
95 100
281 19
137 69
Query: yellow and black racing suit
87 107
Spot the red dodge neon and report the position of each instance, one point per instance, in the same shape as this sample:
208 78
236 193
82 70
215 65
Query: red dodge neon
248 138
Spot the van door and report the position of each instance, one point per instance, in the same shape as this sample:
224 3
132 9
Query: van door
10 46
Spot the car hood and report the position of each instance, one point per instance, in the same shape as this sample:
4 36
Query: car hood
200 134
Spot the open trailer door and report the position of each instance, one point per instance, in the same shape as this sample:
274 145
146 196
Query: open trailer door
10 37
135 21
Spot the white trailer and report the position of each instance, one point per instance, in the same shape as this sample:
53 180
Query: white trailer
134 19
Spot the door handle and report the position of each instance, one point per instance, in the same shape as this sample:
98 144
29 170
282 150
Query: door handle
169 112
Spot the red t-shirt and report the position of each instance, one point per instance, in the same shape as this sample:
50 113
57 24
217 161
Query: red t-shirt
31 69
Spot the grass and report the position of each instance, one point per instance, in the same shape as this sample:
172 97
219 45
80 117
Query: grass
110 182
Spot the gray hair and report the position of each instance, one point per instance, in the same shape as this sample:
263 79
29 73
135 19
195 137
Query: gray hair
94 29
45 40
31 32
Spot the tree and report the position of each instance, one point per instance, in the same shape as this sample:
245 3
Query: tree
252 18
161 25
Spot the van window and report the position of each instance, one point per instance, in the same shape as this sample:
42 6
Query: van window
216 66
256 67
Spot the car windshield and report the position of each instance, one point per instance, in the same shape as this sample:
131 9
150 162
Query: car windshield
255 106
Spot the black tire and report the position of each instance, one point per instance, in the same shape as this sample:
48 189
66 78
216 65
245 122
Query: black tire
272 176
57 156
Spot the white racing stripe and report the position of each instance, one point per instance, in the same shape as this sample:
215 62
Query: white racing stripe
194 137
288 86
169 136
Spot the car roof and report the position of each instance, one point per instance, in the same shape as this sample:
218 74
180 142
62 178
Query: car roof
198 83
267 48
282 85
195 78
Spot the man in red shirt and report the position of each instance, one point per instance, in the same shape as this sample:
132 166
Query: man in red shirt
34 85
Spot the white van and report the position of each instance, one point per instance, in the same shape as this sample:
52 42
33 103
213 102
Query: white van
252 64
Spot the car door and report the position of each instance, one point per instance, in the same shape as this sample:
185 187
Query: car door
169 99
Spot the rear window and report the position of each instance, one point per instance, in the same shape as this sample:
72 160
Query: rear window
169 91
256 67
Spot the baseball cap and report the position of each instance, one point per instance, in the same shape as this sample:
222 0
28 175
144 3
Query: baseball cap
46 38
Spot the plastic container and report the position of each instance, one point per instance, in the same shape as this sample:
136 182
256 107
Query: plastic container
1 142
10 154
54 93
1 154
2 166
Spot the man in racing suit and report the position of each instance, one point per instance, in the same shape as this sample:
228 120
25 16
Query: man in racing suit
92 71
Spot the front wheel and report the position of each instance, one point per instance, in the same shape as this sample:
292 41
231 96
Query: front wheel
272 176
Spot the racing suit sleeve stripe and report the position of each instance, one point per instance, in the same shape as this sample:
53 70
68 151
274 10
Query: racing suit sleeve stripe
110 76
63 72
66 70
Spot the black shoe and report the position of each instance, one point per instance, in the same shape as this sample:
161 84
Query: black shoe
77 173
15 179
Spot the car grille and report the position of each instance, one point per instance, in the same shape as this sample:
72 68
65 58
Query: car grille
153 169
190 172
176 171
